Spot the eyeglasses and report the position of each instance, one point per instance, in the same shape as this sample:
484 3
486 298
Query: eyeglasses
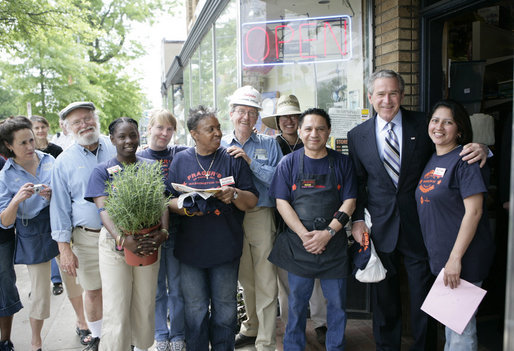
85 120
251 114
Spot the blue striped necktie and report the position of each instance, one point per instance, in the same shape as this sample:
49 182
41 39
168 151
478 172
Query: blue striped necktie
392 154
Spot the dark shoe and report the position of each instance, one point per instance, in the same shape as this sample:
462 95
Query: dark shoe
93 345
57 289
321 334
6 345
84 335
243 340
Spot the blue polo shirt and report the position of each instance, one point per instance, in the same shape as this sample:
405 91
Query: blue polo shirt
265 154
69 181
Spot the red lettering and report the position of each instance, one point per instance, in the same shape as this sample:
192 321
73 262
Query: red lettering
277 42
327 25
302 40
256 40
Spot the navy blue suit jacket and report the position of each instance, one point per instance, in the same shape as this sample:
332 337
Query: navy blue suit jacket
392 209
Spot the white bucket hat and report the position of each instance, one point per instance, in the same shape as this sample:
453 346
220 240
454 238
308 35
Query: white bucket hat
286 105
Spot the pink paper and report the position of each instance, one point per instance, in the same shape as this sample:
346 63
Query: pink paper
453 307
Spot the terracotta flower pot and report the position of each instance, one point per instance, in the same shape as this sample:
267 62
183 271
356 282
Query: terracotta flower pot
134 260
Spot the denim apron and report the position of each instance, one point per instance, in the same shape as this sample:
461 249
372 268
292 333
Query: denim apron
34 243
316 199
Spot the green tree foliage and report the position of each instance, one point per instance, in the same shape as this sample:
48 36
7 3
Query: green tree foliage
56 52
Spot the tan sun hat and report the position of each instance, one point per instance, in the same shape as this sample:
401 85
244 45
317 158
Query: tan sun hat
286 105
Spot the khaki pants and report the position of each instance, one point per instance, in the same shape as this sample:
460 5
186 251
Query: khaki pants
258 277
85 247
128 299
39 290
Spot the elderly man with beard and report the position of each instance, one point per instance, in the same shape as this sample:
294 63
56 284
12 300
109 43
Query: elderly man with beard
73 219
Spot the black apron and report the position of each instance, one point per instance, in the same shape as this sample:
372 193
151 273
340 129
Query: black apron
316 199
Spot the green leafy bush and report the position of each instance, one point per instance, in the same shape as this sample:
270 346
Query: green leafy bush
136 197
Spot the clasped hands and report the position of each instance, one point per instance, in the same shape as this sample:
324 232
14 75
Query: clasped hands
315 241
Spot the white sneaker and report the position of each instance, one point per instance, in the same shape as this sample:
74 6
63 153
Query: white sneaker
178 345
162 346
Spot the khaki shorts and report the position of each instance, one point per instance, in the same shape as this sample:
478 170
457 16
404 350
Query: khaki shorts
39 290
85 247
71 285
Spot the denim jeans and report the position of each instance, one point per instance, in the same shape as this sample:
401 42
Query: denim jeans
300 291
467 341
169 296
56 275
9 298
213 287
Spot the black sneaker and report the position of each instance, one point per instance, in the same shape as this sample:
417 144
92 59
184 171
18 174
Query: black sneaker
6 345
321 334
243 340
93 345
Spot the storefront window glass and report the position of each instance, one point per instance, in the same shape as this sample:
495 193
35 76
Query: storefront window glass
226 63
205 85
177 96
313 51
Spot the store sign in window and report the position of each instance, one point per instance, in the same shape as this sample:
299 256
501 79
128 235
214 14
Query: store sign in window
305 40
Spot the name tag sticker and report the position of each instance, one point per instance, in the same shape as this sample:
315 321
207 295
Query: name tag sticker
260 154
308 184
227 181
439 171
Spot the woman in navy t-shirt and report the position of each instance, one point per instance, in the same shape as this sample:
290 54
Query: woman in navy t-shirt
128 292
210 238
169 300
450 198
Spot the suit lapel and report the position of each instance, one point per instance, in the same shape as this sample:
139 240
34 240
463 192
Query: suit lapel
410 137
370 139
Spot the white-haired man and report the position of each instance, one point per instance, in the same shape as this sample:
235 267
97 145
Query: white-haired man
257 275
74 219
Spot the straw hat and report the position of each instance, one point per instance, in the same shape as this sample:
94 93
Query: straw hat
286 105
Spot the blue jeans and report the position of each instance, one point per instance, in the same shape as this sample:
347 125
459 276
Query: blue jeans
169 296
56 275
467 341
300 291
213 287
9 298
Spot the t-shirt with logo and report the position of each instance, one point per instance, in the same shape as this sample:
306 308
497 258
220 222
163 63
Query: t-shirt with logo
216 237
165 156
283 183
445 182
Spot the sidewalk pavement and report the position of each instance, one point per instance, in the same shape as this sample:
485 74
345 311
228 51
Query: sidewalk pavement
58 331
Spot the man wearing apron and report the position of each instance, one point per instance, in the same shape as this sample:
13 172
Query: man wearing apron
315 192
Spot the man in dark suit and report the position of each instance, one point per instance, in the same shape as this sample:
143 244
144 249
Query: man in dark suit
388 159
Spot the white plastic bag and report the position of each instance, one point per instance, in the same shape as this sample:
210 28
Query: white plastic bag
374 271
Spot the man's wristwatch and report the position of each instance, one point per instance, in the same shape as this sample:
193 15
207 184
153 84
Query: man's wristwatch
331 231
235 196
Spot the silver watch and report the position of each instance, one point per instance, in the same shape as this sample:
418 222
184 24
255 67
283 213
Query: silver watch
331 231
236 194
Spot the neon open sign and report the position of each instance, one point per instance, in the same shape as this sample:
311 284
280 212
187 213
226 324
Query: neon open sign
303 40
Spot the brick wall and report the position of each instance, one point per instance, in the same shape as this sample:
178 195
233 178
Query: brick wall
396 43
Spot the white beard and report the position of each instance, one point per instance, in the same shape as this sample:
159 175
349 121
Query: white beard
89 138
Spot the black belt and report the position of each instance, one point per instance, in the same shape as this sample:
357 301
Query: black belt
89 229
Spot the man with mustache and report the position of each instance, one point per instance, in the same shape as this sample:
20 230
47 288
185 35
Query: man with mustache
74 219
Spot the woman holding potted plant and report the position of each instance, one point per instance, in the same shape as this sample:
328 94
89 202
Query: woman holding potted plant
210 238
128 291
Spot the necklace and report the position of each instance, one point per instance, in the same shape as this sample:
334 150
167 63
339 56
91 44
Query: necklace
203 169
287 142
